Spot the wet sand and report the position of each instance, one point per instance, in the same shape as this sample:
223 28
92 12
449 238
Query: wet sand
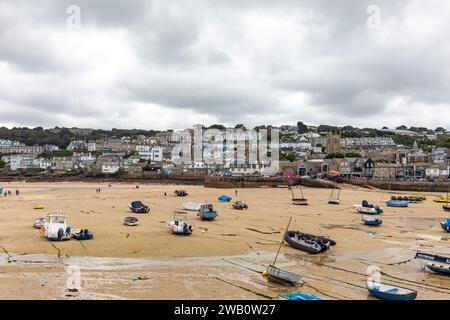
222 259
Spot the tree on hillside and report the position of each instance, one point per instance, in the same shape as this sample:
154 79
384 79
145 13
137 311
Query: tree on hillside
302 128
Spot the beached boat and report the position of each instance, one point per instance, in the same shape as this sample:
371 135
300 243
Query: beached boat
439 264
181 193
207 212
39 223
56 228
179 225
82 234
130 221
442 200
38 207
446 208
445 224
389 292
239 205
308 242
300 296
277 275
371 221
438 268
298 201
397 203
191 206
432 257
411 198
367 208
138 207
336 200
224 198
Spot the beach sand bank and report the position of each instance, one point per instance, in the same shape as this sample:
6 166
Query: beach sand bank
222 259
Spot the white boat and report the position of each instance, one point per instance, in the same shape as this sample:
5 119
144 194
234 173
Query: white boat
191 206
56 227
178 225
367 208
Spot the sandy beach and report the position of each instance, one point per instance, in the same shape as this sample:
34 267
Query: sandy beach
222 259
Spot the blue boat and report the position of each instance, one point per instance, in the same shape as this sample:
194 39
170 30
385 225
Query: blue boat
224 198
387 292
440 264
138 207
445 224
207 212
439 268
300 296
397 204
371 221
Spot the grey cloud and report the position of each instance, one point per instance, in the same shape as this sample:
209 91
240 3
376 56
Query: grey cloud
228 61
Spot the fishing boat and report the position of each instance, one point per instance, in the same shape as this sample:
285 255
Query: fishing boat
130 221
367 208
56 228
445 224
388 292
335 200
224 198
83 234
179 225
371 221
138 207
39 223
277 275
207 212
308 242
300 296
439 264
298 201
239 205
397 203
181 193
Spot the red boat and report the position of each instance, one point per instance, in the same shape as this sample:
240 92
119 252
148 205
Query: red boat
239 205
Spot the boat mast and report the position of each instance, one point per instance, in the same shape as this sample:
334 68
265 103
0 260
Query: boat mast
281 242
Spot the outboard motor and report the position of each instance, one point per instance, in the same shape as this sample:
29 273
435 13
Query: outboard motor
60 233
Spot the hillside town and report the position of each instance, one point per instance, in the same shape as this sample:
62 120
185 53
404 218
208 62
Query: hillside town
304 151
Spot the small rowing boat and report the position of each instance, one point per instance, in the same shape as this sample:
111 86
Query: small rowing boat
371 221
389 292
300 296
277 275
308 242
397 203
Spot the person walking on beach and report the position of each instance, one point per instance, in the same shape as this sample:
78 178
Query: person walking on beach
235 192
17 192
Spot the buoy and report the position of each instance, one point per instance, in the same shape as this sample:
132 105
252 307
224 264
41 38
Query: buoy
264 273
42 230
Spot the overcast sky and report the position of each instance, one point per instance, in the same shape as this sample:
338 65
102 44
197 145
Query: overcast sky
171 64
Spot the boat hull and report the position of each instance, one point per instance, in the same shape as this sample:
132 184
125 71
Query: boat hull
388 292
282 277
300 296
443 269
300 202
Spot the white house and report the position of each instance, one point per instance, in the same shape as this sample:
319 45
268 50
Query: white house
42 163
151 154
21 162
